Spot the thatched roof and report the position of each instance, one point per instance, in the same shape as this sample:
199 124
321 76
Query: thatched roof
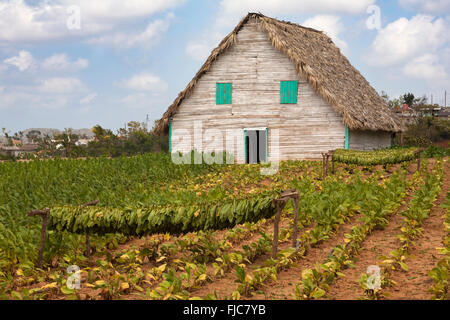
316 57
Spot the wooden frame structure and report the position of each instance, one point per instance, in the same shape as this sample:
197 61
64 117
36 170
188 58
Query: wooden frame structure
44 214
326 156
280 203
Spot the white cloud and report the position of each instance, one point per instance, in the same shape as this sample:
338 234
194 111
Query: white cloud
295 6
148 37
22 21
61 85
416 49
136 100
145 82
199 50
119 9
88 98
60 62
405 39
426 67
233 10
22 61
433 6
24 98
331 25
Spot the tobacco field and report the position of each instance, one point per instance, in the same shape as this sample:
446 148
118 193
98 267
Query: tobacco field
162 231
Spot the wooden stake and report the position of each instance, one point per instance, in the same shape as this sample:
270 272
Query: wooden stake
280 204
88 245
323 165
330 153
275 231
88 239
418 159
295 232
44 215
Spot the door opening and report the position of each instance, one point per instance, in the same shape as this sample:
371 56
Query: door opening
255 146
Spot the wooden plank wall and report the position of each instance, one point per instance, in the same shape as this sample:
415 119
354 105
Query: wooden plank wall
369 140
255 69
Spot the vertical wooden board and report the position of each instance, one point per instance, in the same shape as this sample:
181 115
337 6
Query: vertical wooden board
283 91
245 146
224 93
291 92
218 90
229 93
347 138
170 137
294 91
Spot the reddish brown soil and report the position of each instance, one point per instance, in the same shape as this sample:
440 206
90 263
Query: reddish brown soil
414 284
225 286
284 288
378 243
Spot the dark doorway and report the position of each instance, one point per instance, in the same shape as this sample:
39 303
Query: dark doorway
255 146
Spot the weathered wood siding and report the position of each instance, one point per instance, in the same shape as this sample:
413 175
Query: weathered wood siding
369 140
255 69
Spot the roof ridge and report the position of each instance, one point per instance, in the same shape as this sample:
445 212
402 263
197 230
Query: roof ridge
260 15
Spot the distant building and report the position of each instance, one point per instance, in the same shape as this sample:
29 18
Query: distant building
407 114
431 112
83 142
444 113
16 151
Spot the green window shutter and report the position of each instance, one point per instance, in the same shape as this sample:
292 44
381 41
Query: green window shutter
223 93
245 146
219 94
347 138
288 92
267 144
228 93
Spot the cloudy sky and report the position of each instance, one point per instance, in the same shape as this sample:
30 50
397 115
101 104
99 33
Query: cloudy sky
68 63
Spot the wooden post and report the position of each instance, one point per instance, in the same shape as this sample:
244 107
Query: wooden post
328 156
88 239
419 152
44 215
88 245
280 204
295 232
323 165
275 230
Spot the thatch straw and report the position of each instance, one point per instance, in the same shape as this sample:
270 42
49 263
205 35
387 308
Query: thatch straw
317 58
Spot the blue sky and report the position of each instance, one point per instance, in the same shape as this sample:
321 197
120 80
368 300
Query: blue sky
68 63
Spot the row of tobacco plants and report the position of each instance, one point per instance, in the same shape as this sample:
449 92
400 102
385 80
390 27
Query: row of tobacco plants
418 210
379 202
441 272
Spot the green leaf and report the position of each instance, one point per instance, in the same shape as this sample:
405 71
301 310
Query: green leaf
318 293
